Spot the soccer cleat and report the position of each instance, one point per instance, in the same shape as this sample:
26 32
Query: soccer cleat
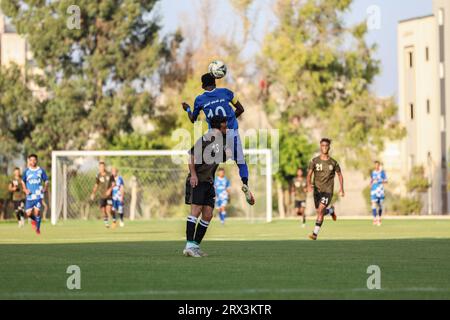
201 253
333 215
312 236
107 225
121 224
191 252
248 195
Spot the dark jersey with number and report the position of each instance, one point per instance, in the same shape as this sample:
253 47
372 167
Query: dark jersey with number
104 183
209 151
324 172
17 195
299 186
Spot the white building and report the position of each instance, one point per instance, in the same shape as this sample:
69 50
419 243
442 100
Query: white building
424 105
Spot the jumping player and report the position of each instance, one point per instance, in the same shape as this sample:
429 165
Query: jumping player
378 179
299 189
324 168
34 184
222 187
104 183
217 102
205 156
118 194
18 196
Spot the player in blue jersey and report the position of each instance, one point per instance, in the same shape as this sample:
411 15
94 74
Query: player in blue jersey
378 179
34 184
222 187
220 102
118 195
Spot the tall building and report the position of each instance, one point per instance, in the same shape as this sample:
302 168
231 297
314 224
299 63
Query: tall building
424 100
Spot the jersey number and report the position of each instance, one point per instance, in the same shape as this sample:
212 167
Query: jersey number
211 113
319 167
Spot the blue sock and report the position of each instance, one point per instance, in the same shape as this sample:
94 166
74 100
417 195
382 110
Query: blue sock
32 217
222 218
374 212
38 222
224 214
243 172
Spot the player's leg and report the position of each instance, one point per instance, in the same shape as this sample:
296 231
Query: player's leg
104 213
202 227
374 209
29 205
120 210
37 214
301 211
380 210
111 213
238 156
191 223
319 221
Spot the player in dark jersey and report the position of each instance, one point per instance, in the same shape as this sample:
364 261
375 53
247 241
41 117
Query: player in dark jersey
204 158
18 196
220 102
324 168
104 183
299 189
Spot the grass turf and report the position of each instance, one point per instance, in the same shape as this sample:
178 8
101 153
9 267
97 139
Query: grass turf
247 261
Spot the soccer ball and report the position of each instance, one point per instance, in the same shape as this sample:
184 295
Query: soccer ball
217 69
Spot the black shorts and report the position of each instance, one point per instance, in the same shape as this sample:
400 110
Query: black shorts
300 204
105 202
202 195
19 205
322 197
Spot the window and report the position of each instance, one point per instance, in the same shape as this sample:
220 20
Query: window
427 54
411 111
411 60
428 106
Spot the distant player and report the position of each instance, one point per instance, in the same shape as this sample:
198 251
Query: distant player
104 183
205 156
218 102
18 196
299 189
35 185
118 194
324 168
378 179
222 187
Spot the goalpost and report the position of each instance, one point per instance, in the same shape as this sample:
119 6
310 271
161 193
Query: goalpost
154 183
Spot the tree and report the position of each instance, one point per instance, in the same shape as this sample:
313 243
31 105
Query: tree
18 113
98 77
321 70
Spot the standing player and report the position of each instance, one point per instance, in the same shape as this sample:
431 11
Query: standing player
205 156
104 183
222 187
324 169
299 189
32 181
217 102
377 180
18 196
118 194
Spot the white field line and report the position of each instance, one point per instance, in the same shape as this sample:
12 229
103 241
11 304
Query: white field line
81 293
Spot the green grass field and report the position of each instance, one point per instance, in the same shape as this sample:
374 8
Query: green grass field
247 261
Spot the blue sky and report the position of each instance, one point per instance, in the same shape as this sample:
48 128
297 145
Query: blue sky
176 12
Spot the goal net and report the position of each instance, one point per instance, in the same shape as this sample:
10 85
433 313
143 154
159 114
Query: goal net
154 184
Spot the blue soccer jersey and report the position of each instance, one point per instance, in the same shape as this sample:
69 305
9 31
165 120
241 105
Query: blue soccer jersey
34 179
116 193
221 185
377 189
217 103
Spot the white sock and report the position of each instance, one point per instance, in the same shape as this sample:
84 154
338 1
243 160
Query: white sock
316 230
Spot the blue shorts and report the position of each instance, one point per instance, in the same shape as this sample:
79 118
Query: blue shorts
117 206
221 203
376 199
31 204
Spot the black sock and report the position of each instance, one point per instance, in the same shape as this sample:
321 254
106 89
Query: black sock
245 181
190 228
32 217
304 219
18 215
121 217
201 230
113 217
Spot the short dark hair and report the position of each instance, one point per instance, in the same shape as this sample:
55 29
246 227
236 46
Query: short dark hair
221 169
33 156
16 168
101 162
325 140
208 80
217 121
377 162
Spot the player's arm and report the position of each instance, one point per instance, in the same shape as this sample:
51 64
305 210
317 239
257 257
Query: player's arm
11 187
24 187
187 108
341 183
309 180
45 178
239 108
194 179
384 177
94 190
